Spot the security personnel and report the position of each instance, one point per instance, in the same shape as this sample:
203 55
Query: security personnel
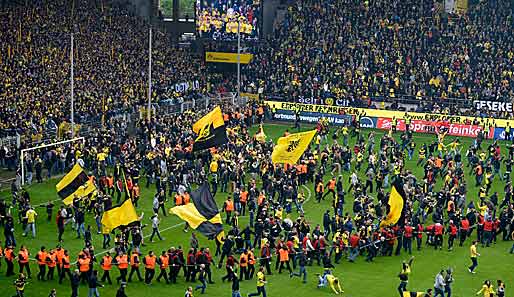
178 200
41 263
134 266
320 188
464 230
23 260
251 264
51 262
164 263
9 258
243 265
65 266
59 253
452 230
331 185
83 264
122 262
228 207
149 261
106 264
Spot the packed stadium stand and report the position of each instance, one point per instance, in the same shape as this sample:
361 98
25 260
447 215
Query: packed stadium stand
389 49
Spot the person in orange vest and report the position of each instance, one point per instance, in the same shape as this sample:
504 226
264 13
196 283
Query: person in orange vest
320 188
164 263
136 193
149 261
186 198
83 264
59 253
331 185
243 199
65 266
178 200
243 265
9 258
51 262
283 254
23 260
110 185
122 262
228 208
41 263
134 266
251 264
106 264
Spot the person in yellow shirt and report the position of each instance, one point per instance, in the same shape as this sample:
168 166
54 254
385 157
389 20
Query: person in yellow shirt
487 289
474 255
331 280
261 282
30 215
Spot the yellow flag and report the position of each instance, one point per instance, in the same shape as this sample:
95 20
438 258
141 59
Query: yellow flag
122 215
396 202
290 148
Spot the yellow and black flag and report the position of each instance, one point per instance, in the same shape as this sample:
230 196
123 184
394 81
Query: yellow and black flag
122 215
202 214
395 205
211 130
74 184
290 148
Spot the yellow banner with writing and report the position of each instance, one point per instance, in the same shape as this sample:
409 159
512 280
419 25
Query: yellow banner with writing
219 57
380 113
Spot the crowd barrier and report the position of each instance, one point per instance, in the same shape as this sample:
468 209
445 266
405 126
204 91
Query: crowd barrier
462 126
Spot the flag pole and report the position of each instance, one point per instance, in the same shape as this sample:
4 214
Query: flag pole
149 75
72 90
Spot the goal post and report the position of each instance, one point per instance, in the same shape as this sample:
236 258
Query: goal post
23 151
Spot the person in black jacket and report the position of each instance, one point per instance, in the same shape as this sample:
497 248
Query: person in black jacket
235 287
121 291
93 284
75 282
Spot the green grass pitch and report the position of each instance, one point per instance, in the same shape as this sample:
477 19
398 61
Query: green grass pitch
359 279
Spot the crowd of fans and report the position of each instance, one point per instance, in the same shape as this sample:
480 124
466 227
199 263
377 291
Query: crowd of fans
110 63
386 49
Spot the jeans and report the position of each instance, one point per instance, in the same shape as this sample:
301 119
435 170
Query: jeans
31 227
80 229
438 292
93 292
474 264
236 294
202 286
448 291
354 252
260 290
303 272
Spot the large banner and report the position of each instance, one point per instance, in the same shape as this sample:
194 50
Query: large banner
420 126
493 105
183 87
218 57
380 113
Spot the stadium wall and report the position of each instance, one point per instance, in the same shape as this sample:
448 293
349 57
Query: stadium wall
382 119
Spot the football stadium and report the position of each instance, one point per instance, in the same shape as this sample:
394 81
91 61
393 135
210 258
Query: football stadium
256 148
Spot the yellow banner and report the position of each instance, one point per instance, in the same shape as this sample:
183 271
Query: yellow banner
218 57
379 113
290 148
253 97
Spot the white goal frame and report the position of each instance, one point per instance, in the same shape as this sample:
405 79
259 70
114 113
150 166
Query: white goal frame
23 151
